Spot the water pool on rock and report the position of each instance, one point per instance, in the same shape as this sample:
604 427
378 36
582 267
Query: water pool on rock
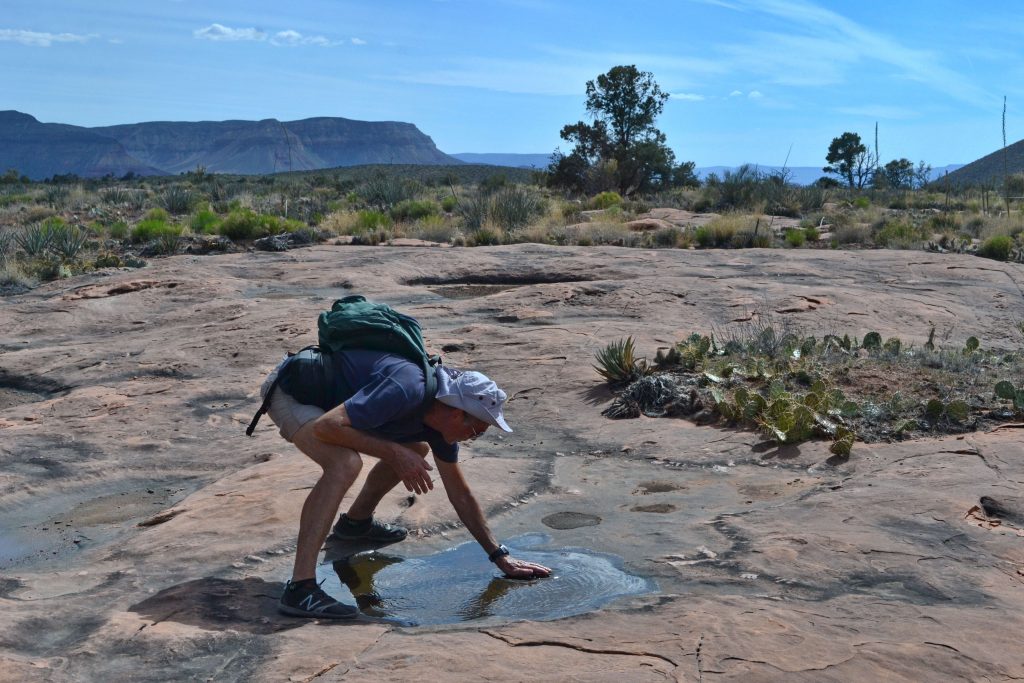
459 584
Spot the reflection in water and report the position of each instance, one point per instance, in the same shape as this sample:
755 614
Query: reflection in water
459 584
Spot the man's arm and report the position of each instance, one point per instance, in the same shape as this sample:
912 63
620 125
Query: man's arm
472 516
334 427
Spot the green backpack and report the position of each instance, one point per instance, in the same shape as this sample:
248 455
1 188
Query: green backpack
355 323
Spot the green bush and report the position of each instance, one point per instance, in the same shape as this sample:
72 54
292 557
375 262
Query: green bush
796 237
157 214
246 224
151 228
811 233
862 202
484 237
177 199
204 222
118 230
514 207
368 221
449 203
899 235
411 210
606 200
997 247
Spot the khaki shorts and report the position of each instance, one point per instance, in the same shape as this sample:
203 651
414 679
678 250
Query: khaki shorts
288 414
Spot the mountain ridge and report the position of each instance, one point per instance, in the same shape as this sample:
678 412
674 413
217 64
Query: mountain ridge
41 150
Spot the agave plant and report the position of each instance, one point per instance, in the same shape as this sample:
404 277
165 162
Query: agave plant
618 362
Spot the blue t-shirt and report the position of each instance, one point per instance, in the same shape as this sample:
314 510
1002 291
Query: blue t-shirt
383 393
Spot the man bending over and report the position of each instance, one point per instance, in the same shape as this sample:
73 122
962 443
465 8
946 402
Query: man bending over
334 406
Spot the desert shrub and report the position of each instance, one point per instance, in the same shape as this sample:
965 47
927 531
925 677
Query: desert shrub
68 240
56 195
606 200
720 231
153 228
385 191
614 234
997 247
7 244
368 221
246 224
898 234
115 195
570 213
945 221
449 203
812 233
851 233
667 237
973 226
484 237
473 211
204 222
166 243
177 200
13 275
861 202
411 209
796 237
514 207
635 206
107 260
157 214
118 230
35 239
433 229
11 199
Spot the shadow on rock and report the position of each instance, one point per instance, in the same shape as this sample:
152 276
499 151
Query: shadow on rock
248 605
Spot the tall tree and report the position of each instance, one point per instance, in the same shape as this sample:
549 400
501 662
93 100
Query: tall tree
621 148
849 158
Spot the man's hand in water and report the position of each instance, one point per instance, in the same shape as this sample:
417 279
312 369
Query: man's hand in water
520 569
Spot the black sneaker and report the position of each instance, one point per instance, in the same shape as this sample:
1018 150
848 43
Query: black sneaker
368 530
307 599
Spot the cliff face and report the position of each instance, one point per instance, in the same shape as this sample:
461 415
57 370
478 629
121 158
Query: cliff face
245 147
40 150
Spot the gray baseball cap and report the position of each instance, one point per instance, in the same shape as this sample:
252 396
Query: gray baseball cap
472 392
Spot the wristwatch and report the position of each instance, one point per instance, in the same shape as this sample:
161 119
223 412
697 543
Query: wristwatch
500 551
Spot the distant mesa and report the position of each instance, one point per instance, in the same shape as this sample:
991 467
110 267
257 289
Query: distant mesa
41 150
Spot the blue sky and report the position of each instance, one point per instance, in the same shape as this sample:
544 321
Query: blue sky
750 80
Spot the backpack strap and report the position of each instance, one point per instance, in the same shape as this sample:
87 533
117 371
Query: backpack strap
265 406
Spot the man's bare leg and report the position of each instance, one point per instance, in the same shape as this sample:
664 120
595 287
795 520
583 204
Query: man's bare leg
379 481
340 468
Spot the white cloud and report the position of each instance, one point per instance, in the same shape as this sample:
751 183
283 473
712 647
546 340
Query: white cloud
755 94
736 93
40 39
358 41
294 38
219 32
689 97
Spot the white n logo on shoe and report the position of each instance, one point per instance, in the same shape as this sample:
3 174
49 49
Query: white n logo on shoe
307 603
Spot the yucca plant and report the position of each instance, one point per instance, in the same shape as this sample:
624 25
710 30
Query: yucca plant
618 362
177 200
68 240
35 239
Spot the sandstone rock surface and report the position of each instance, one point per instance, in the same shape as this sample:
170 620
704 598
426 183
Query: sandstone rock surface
143 537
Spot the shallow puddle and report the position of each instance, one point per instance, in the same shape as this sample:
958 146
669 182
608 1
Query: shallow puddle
459 584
